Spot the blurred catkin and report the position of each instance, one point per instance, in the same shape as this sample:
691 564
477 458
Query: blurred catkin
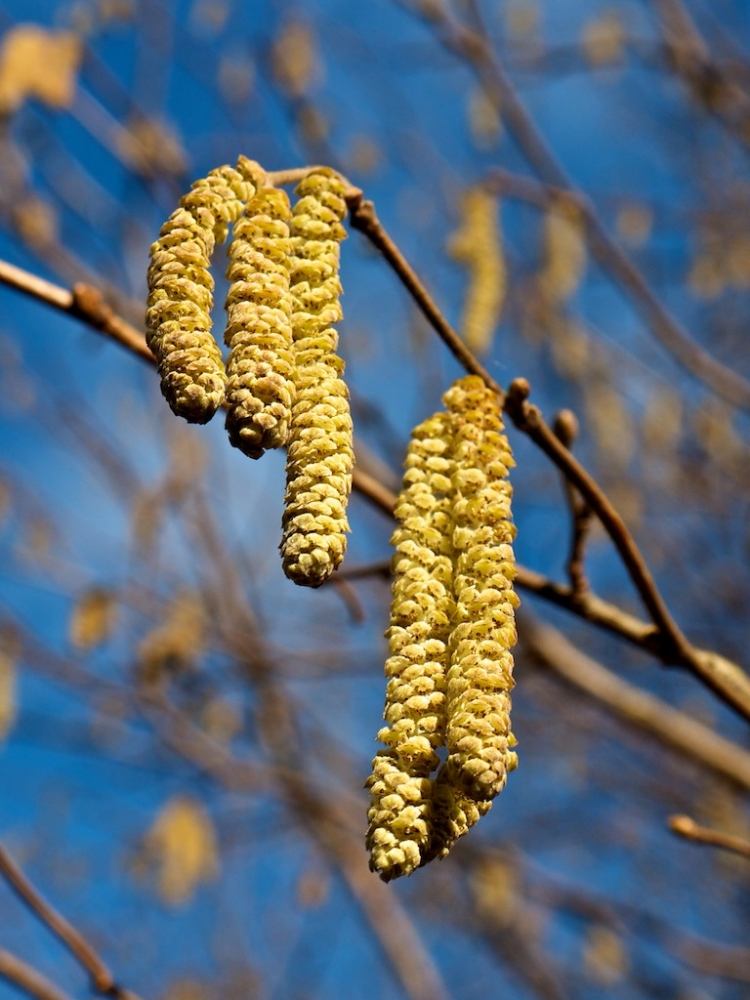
260 367
320 456
180 289
480 676
478 245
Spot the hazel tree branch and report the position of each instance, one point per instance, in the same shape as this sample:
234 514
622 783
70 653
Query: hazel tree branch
473 47
26 978
102 980
725 678
688 829
566 429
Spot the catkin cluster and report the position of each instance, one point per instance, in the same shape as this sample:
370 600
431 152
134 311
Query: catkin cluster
449 672
320 456
180 290
283 383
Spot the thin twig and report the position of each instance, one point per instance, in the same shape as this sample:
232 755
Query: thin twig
25 977
102 980
566 430
686 827
726 679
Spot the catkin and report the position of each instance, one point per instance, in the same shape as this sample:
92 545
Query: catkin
422 600
260 366
398 816
320 456
421 616
180 290
478 244
452 815
480 676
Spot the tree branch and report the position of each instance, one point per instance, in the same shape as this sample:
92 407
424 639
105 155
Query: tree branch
27 979
686 827
102 980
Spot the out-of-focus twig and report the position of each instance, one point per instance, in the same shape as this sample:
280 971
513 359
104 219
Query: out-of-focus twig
474 48
726 679
102 980
687 828
671 727
27 979
566 429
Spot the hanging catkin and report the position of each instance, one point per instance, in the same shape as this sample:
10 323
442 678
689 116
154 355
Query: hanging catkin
260 367
452 814
421 615
398 817
320 457
180 290
480 676
422 600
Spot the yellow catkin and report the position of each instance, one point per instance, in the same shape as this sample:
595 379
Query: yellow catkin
480 676
320 456
422 601
420 622
398 817
260 367
180 290
452 815
478 245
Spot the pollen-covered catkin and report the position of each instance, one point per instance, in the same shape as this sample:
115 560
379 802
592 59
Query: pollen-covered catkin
452 815
320 456
480 676
422 600
399 817
260 366
180 290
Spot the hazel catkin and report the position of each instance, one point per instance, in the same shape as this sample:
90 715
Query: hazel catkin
320 456
260 367
180 290
422 600
398 817
480 677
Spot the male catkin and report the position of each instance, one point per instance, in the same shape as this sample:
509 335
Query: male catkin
320 456
260 367
180 290
480 676
421 616
398 816
422 600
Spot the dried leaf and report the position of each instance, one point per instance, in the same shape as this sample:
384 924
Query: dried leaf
182 847
93 619
37 63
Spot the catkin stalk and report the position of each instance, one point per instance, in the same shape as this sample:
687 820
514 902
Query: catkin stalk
180 290
260 367
320 455
480 676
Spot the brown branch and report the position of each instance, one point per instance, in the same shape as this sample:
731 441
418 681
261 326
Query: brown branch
566 430
474 48
27 979
686 827
676 730
727 680
102 980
